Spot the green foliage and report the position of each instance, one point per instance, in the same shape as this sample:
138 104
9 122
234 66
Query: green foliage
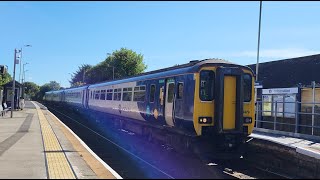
31 89
5 78
79 78
125 62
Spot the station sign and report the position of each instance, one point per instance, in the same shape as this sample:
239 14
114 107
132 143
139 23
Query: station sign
280 91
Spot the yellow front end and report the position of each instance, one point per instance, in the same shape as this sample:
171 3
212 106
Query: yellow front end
204 110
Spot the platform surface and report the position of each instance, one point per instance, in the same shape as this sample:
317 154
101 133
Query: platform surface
36 144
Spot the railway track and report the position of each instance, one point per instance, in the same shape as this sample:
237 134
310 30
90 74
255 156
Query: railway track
134 157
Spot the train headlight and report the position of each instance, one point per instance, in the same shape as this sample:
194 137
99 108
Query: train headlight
247 120
205 120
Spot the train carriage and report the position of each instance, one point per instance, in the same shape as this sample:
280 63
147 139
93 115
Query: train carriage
209 98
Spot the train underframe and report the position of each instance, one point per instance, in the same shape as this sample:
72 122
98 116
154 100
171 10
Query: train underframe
211 145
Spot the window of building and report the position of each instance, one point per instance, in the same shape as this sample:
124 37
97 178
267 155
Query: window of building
206 85
152 92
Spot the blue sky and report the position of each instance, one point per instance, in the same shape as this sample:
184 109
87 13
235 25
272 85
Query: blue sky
65 35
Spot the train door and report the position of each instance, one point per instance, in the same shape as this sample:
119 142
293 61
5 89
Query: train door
229 99
169 102
84 98
229 103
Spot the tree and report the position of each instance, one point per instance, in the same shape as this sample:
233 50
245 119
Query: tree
31 89
126 63
5 78
123 62
51 86
80 76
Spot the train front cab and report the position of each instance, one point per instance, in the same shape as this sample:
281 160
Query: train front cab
224 105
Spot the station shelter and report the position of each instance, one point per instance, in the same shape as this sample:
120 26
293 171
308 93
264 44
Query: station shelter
7 94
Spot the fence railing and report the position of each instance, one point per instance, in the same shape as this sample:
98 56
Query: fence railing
292 117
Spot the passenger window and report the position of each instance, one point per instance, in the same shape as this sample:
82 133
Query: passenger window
247 87
161 95
152 92
117 94
103 95
139 93
206 85
97 94
127 94
170 92
109 94
180 90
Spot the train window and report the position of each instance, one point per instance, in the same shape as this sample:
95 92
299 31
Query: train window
109 94
206 85
152 92
117 94
170 92
161 95
180 90
139 93
103 95
97 94
247 87
127 94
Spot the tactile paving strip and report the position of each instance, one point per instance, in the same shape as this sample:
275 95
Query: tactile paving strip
57 163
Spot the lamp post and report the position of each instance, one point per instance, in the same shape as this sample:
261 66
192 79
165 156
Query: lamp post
20 78
23 78
257 65
23 75
15 61
84 73
112 67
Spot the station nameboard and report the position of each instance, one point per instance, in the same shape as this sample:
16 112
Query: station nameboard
280 91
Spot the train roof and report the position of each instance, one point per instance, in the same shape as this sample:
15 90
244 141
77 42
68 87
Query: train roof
191 67
54 91
76 88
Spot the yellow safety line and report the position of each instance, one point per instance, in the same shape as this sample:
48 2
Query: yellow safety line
58 166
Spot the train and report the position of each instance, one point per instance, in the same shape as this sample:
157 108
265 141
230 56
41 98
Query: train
210 98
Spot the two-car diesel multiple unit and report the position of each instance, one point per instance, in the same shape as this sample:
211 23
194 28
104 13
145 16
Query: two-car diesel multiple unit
210 98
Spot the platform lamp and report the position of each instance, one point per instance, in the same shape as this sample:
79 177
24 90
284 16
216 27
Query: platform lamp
23 79
15 61
27 45
257 66
109 54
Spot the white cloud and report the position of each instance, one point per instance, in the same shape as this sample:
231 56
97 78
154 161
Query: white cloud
277 53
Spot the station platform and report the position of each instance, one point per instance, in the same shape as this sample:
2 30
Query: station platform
310 148
36 144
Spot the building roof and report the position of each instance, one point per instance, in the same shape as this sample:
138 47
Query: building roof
9 84
289 72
